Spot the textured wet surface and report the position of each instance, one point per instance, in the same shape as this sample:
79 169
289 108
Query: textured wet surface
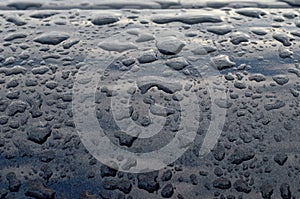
255 50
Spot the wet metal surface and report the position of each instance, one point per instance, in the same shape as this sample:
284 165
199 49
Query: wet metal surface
167 47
